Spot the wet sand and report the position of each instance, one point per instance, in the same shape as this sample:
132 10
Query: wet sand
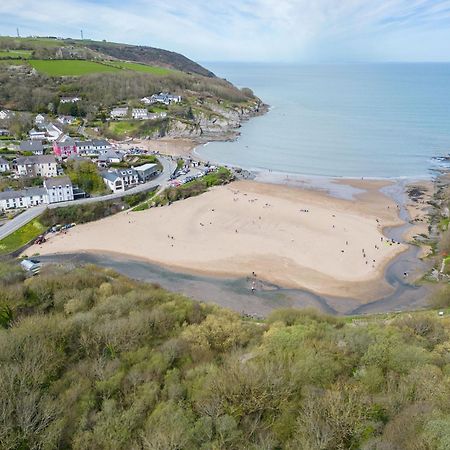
288 237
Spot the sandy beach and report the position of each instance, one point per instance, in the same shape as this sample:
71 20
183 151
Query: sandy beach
287 236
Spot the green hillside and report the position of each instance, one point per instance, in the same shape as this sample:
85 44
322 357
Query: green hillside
52 48
93 360
63 68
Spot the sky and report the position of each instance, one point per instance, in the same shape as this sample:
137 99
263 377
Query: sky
249 30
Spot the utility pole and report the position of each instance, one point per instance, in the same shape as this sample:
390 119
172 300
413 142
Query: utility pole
81 34
18 34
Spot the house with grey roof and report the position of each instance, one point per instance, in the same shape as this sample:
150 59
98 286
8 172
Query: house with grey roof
37 134
4 165
110 157
33 166
24 198
93 147
120 180
59 189
69 99
146 171
119 113
34 146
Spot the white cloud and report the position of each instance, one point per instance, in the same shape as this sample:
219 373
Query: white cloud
245 29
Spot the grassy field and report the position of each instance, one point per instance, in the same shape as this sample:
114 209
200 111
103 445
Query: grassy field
43 42
124 127
21 237
136 67
63 67
19 54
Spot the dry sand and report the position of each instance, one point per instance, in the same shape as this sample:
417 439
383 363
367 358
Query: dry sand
336 247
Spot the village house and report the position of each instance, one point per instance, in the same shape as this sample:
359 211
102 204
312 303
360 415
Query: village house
4 132
37 134
119 113
39 119
146 171
163 97
34 146
53 132
120 180
64 146
93 148
22 199
66 120
139 113
110 157
59 189
154 116
69 99
4 165
6 114
33 166
55 190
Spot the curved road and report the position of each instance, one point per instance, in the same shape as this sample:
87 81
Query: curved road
28 215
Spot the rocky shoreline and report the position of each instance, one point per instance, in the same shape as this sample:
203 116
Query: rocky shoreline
219 123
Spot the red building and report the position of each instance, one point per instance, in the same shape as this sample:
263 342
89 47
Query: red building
64 146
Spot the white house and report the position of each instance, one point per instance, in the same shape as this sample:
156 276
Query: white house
93 148
37 134
59 189
66 120
162 97
146 171
4 165
39 119
5 114
23 199
139 113
32 166
53 132
34 146
55 190
118 113
110 157
69 99
120 180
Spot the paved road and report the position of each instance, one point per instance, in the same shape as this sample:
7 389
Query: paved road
162 179
22 219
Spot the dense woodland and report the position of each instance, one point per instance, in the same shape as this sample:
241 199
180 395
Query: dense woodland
21 89
92 360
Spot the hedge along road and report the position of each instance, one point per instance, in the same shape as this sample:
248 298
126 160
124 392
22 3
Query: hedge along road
28 215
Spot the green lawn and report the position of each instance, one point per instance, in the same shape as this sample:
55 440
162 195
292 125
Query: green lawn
136 67
66 67
124 127
19 54
21 237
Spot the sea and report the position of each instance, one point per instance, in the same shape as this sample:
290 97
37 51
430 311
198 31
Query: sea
341 120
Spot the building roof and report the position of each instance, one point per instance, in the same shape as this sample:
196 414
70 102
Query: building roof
145 167
65 139
38 159
31 146
110 154
57 181
8 195
126 172
111 176
3 161
100 143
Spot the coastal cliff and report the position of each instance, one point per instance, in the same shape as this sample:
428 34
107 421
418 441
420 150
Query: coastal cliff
211 122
